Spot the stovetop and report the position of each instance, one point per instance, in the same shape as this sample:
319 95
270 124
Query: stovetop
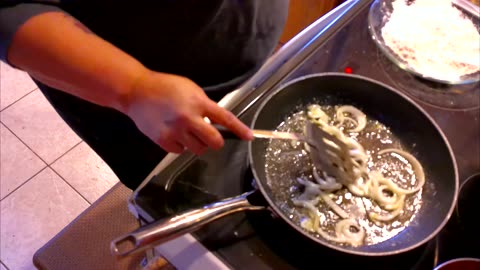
258 240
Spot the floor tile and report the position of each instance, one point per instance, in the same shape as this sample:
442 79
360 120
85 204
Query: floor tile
39 126
14 84
33 214
82 168
18 162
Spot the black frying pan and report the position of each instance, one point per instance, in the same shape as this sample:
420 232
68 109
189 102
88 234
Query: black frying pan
408 121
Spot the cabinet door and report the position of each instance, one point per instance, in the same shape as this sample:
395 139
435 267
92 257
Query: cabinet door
304 12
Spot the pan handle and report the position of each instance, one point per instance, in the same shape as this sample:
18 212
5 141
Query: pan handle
170 228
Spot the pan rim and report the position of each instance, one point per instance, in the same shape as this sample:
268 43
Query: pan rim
461 259
322 241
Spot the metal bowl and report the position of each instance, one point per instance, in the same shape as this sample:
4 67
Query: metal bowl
379 15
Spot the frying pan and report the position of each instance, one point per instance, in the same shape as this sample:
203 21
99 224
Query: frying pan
408 121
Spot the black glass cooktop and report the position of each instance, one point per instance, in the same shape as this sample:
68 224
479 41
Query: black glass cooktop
258 240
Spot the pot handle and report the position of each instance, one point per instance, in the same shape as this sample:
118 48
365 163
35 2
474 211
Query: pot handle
170 228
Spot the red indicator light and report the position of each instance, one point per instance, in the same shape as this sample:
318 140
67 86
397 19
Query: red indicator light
348 70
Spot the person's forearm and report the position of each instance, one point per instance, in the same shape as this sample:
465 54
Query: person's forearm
57 50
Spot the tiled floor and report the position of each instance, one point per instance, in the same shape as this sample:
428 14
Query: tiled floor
48 176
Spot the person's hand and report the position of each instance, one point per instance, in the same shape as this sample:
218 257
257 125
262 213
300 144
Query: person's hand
170 110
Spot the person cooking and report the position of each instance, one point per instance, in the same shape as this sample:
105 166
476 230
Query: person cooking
135 79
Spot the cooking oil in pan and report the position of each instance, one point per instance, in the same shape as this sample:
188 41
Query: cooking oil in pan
286 161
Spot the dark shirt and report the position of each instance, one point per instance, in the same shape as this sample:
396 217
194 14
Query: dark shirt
216 43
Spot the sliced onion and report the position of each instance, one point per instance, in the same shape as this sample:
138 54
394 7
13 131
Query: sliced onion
307 147
392 186
312 212
293 143
337 209
329 184
388 203
386 200
397 205
354 238
327 236
316 112
417 168
355 170
359 118
377 184
357 189
306 223
376 190
389 216
343 233
312 189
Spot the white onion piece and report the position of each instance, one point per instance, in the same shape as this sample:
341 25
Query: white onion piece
312 189
359 118
316 112
293 143
356 189
307 147
307 224
313 213
417 168
359 187
357 178
376 184
355 238
329 237
388 203
397 205
392 186
376 190
391 215
335 207
386 200
343 233
328 183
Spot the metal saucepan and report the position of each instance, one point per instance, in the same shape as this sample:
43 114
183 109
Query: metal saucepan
410 123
